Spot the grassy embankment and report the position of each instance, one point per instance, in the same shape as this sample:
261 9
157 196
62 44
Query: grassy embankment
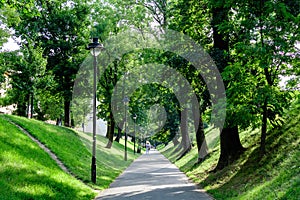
275 176
27 172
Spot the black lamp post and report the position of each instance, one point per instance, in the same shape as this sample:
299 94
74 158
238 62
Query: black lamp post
125 100
134 118
95 47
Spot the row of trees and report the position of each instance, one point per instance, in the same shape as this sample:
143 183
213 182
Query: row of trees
253 43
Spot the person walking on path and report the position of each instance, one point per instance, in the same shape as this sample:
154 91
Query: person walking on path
148 147
153 177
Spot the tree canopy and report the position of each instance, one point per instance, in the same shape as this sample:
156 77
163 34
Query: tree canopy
254 44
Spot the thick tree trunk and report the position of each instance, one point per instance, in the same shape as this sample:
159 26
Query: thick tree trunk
67 121
111 131
230 144
231 147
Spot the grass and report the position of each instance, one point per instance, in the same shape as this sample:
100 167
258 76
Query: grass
74 150
275 176
27 172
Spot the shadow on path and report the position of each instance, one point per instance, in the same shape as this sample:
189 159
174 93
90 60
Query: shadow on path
152 176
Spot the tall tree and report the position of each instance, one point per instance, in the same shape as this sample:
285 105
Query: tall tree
60 27
264 49
229 137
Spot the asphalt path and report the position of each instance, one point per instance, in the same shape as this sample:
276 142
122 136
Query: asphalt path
152 176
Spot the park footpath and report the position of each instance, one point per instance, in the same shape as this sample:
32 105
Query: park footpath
152 176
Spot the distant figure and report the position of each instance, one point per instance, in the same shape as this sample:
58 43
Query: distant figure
148 146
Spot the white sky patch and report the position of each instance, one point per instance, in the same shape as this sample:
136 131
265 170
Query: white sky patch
10 45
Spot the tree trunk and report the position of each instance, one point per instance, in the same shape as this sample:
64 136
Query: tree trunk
120 127
28 107
230 144
31 107
201 141
111 131
107 129
231 147
67 120
185 142
270 83
175 141
264 128
199 129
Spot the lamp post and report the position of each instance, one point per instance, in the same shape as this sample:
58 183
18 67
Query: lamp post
125 100
95 47
134 118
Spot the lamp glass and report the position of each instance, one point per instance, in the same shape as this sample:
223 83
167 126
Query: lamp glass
96 50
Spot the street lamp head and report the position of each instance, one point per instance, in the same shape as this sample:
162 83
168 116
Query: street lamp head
95 47
126 100
134 117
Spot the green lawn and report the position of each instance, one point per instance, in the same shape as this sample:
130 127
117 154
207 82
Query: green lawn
275 176
27 172
74 150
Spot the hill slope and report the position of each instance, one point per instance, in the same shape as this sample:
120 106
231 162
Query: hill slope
27 172
72 148
275 176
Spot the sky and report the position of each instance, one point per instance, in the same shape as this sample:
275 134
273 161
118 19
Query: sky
11 45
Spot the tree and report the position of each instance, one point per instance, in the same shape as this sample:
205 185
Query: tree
26 70
263 51
60 28
230 143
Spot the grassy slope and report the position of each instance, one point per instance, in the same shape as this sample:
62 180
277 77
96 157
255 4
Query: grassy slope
74 150
275 176
27 172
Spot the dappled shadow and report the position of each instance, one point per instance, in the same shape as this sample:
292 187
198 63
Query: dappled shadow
252 170
152 177
147 177
164 193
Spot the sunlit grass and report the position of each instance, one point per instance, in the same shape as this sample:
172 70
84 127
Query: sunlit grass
74 150
27 172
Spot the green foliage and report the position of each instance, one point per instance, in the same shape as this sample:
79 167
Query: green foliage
157 95
8 18
26 70
259 58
